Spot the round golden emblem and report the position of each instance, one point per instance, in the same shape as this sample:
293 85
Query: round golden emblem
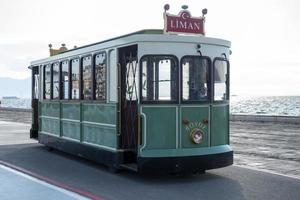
196 135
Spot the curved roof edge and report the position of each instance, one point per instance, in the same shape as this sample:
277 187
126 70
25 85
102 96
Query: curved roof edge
146 35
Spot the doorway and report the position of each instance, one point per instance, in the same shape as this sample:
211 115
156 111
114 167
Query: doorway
128 98
35 102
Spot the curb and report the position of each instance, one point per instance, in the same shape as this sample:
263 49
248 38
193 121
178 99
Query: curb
15 109
266 118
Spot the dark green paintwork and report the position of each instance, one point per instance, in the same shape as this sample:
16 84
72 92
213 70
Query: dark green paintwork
99 135
161 130
161 127
195 115
71 111
71 130
102 130
93 123
49 118
219 125
50 109
99 113
50 126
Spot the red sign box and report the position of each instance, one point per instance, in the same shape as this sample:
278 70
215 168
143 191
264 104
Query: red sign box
184 23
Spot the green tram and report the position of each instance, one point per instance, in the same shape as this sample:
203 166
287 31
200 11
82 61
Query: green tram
146 101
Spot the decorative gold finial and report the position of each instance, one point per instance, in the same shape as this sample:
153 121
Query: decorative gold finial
54 52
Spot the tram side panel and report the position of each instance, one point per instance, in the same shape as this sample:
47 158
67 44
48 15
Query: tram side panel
219 125
83 128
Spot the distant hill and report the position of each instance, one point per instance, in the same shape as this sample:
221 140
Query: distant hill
20 88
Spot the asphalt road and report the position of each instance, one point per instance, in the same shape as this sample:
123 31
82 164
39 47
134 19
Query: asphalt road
234 183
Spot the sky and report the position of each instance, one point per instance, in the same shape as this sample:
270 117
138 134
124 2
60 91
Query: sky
265 34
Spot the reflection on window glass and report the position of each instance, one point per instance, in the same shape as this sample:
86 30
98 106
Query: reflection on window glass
159 78
220 80
131 83
195 79
75 79
65 79
87 77
36 86
55 87
47 86
100 76
144 85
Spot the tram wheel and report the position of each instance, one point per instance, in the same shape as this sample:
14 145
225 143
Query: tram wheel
114 170
50 149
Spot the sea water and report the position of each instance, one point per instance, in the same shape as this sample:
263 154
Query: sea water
266 105
259 105
16 103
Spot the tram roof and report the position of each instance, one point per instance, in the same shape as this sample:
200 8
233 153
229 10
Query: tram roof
147 35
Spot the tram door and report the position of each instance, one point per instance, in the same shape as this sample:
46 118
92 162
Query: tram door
128 96
34 102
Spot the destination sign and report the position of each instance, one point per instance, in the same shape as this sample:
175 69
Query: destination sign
183 23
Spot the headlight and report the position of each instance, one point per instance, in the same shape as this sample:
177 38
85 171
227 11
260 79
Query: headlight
196 136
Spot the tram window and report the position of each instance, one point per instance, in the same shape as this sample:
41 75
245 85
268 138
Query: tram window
195 78
87 77
47 81
159 78
75 79
100 76
131 83
55 88
36 87
220 80
65 79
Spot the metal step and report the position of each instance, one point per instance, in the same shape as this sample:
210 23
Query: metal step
130 166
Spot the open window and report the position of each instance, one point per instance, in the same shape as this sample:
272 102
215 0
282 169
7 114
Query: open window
159 79
195 79
221 79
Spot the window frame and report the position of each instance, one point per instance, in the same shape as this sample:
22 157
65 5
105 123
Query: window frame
81 96
176 101
62 82
94 78
52 81
71 80
227 83
209 85
44 81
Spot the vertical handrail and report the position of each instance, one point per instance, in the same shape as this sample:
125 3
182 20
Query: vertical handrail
119 100
144 131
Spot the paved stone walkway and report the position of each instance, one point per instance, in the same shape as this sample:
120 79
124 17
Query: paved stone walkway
268 146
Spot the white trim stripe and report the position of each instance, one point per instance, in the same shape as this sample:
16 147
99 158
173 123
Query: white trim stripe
99 124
